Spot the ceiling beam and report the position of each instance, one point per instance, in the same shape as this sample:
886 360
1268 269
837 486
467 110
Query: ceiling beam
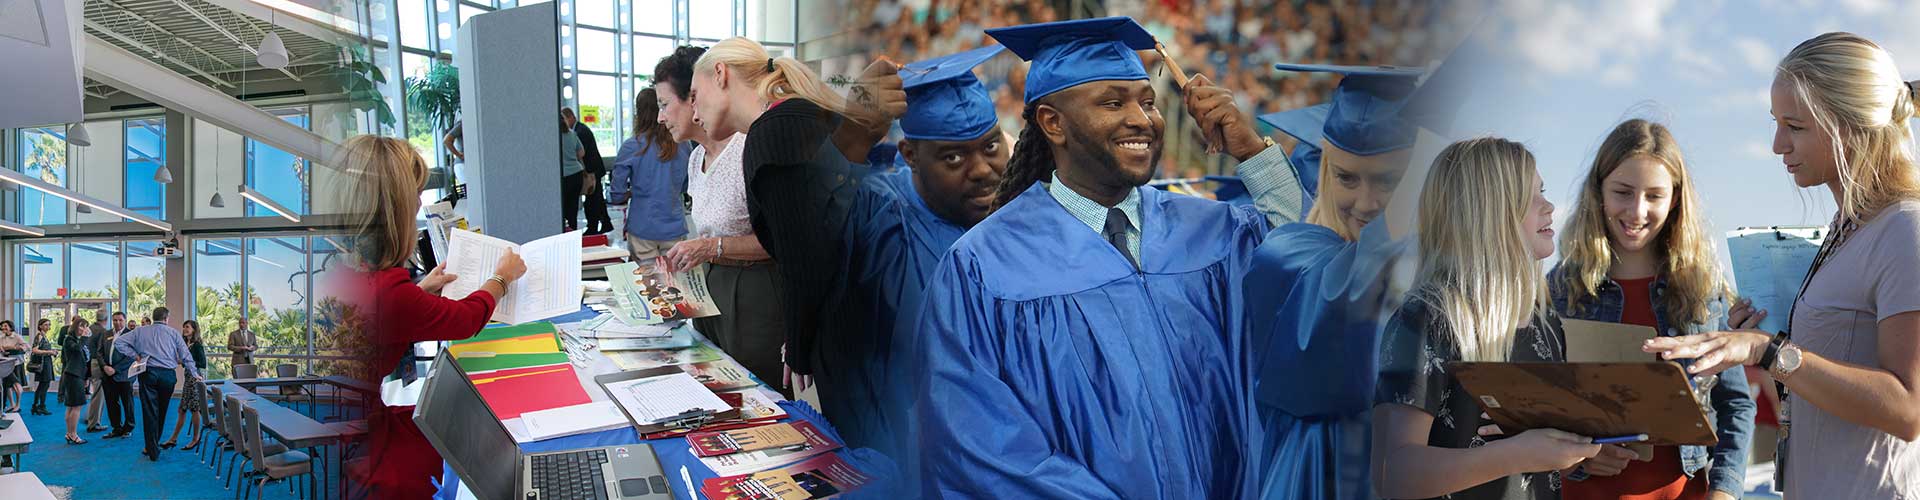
113 65
322 26
156 52
230 36
123 10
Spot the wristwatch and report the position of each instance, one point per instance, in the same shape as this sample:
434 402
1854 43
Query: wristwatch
1785 361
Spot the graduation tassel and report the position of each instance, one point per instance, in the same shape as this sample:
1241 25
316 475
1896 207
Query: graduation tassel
1210 137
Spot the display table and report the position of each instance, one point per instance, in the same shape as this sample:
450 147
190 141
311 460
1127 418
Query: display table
677 460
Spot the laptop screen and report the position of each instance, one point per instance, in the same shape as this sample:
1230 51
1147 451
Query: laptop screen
473 442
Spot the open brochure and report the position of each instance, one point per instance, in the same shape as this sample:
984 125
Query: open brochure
738 461
649 295
550 288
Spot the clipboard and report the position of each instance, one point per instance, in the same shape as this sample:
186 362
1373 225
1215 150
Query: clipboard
1591 399
683 422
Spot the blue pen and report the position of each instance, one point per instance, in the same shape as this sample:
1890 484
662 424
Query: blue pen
1621 439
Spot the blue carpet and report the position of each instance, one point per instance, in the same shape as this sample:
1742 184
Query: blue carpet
113 468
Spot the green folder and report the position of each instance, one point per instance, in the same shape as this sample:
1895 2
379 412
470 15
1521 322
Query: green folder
477 364
520 330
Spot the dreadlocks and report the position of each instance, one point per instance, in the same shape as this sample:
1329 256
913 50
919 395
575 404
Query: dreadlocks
1032 160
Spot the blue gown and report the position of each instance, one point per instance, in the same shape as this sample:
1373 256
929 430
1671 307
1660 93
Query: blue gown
1314 300
1051 368
897 241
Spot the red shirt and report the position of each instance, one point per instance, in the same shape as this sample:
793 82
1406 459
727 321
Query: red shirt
1660 479
403 463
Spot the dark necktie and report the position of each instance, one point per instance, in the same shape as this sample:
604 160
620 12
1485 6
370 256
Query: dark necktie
1116 233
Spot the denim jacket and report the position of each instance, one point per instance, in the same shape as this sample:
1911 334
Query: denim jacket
1732 409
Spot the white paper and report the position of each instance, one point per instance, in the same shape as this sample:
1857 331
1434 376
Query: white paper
654 400
551 286
138 367
441 220
517 427
571 420
1768 266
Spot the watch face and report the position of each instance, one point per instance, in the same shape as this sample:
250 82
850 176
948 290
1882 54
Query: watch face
1789 358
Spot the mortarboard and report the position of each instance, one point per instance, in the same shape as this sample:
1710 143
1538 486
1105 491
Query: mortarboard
945 102
1365 117
1069 53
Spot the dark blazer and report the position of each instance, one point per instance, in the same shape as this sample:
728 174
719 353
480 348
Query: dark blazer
74 353
799 193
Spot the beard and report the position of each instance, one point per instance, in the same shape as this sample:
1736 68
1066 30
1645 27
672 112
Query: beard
1100 155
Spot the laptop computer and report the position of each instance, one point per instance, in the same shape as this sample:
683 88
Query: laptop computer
452 415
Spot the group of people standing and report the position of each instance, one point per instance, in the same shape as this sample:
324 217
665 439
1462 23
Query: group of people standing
1025 317
96 361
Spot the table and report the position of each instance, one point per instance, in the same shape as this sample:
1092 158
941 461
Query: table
676 456
14 441
24 486
295 430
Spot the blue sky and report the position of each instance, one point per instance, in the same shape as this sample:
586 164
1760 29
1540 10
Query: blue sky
1566 72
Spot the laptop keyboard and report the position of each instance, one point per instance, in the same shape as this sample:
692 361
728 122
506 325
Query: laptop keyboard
570 475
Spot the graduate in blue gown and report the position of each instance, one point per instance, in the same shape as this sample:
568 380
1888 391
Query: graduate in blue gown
1315 288
905 220
1085 340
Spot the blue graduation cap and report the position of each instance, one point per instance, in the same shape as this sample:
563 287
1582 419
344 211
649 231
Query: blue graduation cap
1069 53
945 102
1365 115
1307 124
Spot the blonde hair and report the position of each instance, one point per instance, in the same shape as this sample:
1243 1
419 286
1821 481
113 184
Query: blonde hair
1857 98
387 175
1476 271
1323 213
1687 259
772 78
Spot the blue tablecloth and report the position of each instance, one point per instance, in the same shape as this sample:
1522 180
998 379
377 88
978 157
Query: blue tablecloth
674 454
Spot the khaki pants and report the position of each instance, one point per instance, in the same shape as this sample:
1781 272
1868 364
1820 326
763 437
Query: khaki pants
644 251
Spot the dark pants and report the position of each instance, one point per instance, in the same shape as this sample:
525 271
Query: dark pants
752 321
119 403
156 393
597 216
41 381
570 199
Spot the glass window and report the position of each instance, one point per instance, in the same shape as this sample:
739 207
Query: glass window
43 155
279 175
648 51
146 277
277 294
42 271
333 315
598 51
217 292
653 16
594 12
413 23
600 109
712 19
770 20
95 270
468 11
419 129
146 155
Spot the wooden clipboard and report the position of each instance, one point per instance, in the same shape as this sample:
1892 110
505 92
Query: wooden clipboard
1591 399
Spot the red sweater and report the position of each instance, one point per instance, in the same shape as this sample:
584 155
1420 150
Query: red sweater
402 461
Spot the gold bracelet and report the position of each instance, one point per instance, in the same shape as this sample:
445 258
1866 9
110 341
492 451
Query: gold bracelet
497 279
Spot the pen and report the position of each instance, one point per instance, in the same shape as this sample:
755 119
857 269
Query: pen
1635 438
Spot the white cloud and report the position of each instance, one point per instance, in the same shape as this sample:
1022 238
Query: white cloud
1758 150
1560 37
1756 54
1617 75
1752 101
1866 7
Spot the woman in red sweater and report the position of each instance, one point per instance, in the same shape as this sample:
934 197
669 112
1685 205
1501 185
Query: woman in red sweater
389 175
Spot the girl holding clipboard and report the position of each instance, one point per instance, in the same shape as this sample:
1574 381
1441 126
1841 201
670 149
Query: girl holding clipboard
1479 295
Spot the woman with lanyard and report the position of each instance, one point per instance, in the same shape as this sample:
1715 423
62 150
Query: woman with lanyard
1849 359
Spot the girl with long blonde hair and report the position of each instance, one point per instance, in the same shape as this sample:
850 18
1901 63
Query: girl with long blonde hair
1637 250
1479 295
1849 362
788 162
